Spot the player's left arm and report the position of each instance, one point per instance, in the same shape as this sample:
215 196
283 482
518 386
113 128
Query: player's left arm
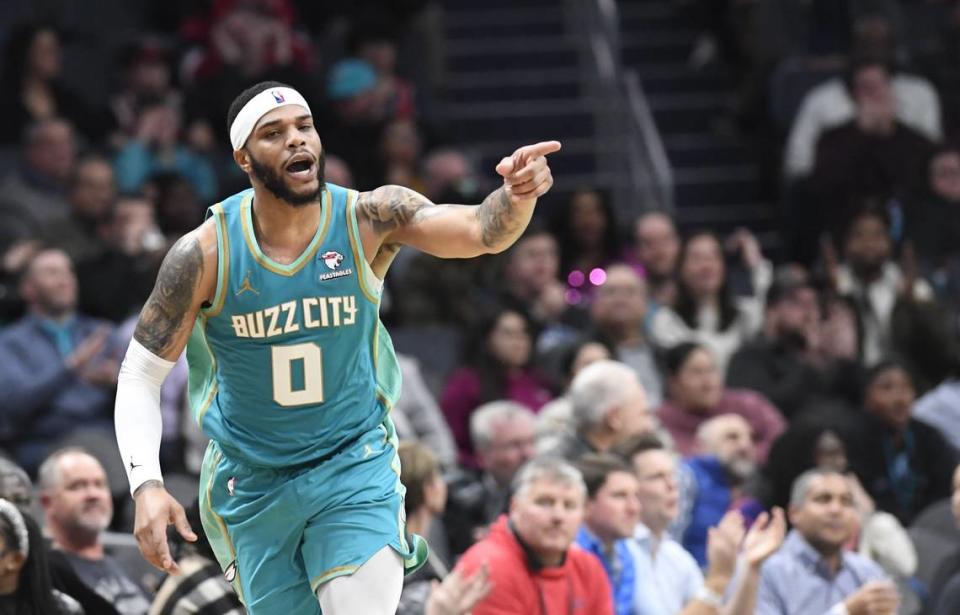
395 216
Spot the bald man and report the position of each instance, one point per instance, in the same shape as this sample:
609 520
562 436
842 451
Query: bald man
719 478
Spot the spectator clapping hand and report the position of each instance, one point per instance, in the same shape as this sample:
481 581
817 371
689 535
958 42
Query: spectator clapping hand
457 594
765 537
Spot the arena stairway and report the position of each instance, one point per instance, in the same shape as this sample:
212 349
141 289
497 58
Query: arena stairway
716 177
513 77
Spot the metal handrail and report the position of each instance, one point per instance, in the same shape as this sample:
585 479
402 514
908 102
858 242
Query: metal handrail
656 153
623 114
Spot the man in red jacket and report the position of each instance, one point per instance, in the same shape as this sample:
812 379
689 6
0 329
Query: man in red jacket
535 569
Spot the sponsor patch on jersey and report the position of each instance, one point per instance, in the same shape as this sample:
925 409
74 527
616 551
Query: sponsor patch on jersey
332 259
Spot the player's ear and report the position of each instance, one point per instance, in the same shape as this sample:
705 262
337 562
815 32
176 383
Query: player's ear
242 158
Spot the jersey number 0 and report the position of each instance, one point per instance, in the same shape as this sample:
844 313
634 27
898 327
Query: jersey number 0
283 358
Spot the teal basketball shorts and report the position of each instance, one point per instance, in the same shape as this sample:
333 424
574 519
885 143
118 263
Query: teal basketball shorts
279 534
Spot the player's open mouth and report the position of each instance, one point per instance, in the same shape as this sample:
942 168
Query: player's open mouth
300 167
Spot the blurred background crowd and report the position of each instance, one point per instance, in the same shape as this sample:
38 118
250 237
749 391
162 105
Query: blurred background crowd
794 305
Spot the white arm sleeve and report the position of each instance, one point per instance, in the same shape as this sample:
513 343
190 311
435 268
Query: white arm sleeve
137 415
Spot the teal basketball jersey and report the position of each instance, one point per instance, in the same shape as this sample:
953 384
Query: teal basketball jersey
290 363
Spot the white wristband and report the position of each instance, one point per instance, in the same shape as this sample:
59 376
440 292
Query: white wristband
137 416
709 597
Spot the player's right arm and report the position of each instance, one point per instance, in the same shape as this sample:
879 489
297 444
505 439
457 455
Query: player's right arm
187 279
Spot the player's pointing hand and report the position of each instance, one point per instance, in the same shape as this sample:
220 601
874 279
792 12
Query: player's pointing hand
526 175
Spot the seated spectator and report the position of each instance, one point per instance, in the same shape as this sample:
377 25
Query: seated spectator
356 119
612 511
555 420
117 283
16 488
416 416
904 464
146 78
609 406
155 148
35 195
705 310
815 442
619 317
696 393
498 367
58 374
448 171
657 246
668 578
502 433
77 508
234 43
813 573
25 584
15 485
31 88
534 565
91 196
400 147
936 223
530 285
790 363
895 309
200 586
589 242
872 154
178 208
831 104
374 41
721 478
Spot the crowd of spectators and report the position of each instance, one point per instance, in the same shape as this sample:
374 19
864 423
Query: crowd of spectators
615 416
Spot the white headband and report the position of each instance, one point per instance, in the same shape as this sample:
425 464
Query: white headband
257 107
19 525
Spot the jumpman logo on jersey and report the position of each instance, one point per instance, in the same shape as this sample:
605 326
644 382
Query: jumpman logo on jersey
245 286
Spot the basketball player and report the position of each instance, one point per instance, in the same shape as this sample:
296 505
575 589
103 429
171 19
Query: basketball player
275 298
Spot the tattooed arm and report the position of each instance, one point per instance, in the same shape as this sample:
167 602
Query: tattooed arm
186 280
393 216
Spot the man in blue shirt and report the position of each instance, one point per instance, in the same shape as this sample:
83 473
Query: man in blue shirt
612 511
813 574
668 579
53 372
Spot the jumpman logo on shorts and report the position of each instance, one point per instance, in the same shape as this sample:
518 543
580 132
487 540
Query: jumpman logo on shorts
245 286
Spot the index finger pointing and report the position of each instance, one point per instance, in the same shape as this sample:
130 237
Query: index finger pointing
540 149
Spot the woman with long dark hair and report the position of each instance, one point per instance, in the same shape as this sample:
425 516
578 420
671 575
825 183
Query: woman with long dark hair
496 366
25 585
31 90
586 230
705 311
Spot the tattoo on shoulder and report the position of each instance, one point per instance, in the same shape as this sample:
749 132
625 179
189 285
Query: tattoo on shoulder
172 295
390 207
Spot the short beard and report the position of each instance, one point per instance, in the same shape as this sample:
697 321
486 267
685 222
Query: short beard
277 186
740 470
